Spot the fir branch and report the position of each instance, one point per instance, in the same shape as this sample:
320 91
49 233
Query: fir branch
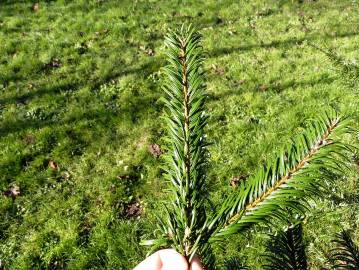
348 71
234 263
297 175
187 155
346 253
287 250
294 177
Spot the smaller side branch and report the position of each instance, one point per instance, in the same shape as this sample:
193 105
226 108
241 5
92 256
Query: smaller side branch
312 151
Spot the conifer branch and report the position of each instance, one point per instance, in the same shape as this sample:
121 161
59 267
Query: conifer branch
234 263
187 155
346 253
348 71
297 175
287 250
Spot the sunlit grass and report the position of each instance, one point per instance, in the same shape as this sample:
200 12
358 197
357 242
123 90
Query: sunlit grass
79 86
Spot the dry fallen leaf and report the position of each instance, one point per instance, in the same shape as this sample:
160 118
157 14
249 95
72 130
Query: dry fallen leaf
53 165
155 150
218 70
235 181
29 139
242 81
99 201
132 210
150 52
263 88
35 7
54 63
123 177
147 50
12 192
66 175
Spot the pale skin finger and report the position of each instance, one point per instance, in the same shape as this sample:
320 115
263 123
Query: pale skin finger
165 259
196 264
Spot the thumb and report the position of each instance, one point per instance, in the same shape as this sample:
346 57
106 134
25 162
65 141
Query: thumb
165 259
196 264
171 260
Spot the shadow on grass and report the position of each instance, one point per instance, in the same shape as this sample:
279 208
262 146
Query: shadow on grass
150 66
143 70
277 88
278 43
132 110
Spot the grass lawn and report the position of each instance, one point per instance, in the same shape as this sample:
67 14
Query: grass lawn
80 116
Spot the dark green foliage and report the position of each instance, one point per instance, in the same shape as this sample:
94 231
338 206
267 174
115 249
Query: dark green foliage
187 157
187 154
301 171
235 264
346 253
287 250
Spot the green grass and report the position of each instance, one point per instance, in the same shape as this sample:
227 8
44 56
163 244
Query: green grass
80 86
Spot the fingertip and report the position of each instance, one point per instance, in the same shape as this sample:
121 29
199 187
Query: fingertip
196 264
152 262
171 259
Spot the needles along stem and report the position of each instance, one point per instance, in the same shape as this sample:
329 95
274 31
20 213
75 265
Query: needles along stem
297 175
187 157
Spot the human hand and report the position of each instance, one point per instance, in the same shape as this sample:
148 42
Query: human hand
168 259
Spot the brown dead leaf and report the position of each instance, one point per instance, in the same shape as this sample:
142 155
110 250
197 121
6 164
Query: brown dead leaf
181 15
12 192
150 52
147 50
123 177
235 181
99 201
53 165
29 139
218 70
263 88
112 188
242 82
54 63
132 210
66 175
155 150
35 7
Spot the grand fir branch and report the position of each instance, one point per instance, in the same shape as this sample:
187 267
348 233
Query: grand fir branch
320 143
187 154
184 102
